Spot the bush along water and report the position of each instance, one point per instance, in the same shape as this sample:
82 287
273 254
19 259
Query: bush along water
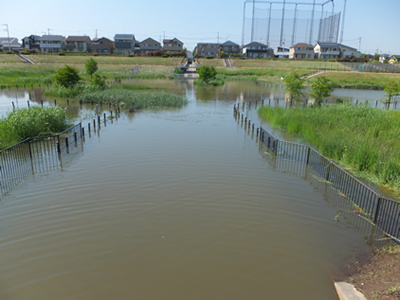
363 139
32 122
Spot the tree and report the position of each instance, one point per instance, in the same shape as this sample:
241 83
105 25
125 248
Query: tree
67 76
99 81
376 57
294 86
207 73
392 89
91 67
320 89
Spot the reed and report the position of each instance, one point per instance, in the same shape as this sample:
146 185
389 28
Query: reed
134 100
32 122
361 138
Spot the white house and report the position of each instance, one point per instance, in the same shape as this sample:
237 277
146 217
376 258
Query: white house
52 43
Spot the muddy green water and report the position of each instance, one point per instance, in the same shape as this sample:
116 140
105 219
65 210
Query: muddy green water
176 204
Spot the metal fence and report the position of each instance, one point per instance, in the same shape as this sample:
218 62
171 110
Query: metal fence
372 67
357 197
36 155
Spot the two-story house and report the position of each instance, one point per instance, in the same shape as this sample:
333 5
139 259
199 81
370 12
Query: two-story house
78 44
208 49
31 42
257 50
102 45
149 45
124 43
349 52
173 46
9 43
52 43
230 48
301 51
326 50
281 52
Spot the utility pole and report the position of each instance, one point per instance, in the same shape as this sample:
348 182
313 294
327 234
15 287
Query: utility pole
8 37
48 31
359 43
217 37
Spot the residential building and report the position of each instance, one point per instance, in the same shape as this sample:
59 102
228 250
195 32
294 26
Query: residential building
102 45
78 44
383 58
327 50
173 46
281 52
149 45
257 50
301 51
9 43
349 52
230 48
124 43
52 43
208 49
31 42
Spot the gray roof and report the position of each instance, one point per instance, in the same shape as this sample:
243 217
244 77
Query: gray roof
151 40
229 43
328 44
253 44
124 37
80 38
352 48
51 38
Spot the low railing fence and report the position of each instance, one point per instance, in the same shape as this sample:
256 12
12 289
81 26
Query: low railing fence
363 201
35 155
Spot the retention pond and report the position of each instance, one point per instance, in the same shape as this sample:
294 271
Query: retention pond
175 204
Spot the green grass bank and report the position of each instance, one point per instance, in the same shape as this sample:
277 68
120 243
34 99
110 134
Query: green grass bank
362 139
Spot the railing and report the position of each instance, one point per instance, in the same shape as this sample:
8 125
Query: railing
361 199
35 155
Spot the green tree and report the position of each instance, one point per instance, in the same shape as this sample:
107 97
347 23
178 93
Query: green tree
392 89
320 89
376 57
67 76
294 86
207 73
99 81
91 67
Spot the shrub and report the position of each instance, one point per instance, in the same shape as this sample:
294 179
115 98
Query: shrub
67 76
95 54
61 53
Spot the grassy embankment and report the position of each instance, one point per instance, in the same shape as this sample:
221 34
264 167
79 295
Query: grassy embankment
271 71
14 72
32 122
362 139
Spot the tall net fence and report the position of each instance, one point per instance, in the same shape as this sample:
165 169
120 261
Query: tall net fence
276 24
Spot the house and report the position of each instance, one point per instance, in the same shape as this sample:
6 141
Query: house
383 58
327 50
78 44
257 50
173 46
9 43
102 45
31 42
301 51
52 43
349 52
230 48
281 52
208 49
124 43
149 45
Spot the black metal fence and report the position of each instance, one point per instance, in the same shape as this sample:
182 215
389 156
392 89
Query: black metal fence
36 155
359 198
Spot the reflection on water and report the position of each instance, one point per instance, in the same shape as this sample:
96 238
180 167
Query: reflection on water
176 204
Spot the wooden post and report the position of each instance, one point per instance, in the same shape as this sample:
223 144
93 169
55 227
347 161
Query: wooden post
83 131
41 102
66 142
88 126
75 137
55 102
68 102
29 106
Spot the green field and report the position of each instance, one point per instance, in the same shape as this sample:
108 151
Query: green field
15 72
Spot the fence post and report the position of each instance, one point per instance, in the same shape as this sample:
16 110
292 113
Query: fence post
327 172
30 149
378 206
75 137
66 142
276 147
308 156
58 144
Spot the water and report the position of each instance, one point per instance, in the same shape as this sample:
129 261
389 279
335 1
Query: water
177 204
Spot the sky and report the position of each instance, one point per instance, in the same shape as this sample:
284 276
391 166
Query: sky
370 25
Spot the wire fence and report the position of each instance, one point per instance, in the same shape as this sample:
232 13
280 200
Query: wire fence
36 155
360 199
372 67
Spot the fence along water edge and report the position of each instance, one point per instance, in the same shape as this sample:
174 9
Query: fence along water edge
36 155
365 202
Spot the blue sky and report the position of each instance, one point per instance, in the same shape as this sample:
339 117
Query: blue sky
375 21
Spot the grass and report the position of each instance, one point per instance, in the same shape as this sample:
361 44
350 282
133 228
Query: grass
32 122
133 100
363 139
